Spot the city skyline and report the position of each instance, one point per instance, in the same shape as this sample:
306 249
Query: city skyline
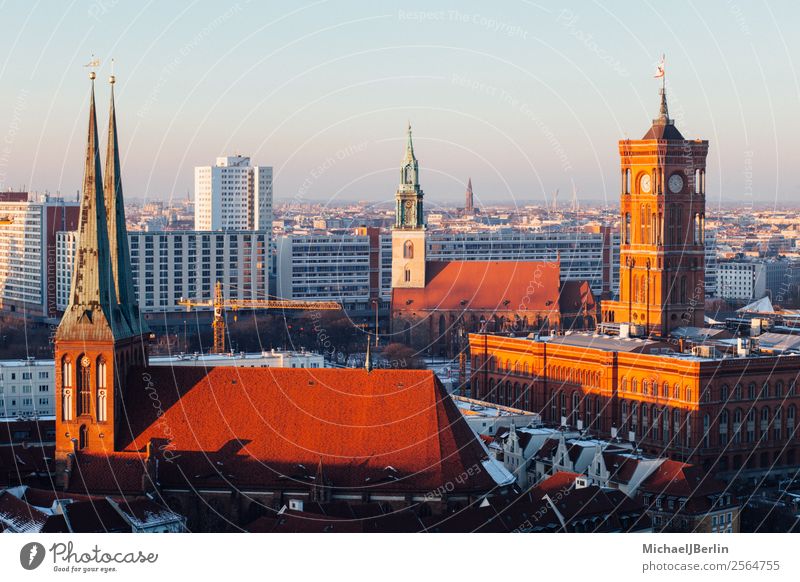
329 116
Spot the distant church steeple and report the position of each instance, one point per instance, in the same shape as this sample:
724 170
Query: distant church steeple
408 234
409 211
469 203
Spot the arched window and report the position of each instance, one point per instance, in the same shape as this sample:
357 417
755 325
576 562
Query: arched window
408 250
665 390
724 393
688 394
83 437
84 386
102 390
66 388
627 234
407 275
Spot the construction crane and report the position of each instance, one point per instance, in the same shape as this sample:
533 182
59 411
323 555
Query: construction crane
220 304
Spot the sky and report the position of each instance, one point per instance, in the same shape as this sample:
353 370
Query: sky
523 97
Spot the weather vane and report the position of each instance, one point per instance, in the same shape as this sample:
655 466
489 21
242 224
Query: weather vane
660 71
93 65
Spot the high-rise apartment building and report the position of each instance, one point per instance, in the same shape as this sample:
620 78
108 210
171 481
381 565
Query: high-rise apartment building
28 230
233 195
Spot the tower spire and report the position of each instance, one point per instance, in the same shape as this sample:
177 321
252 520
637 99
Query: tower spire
469 204
661 73
409 157
93 312
117 230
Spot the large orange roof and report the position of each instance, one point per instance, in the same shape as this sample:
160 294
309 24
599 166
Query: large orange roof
484 285
225 426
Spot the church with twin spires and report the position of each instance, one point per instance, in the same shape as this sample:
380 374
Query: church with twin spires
228 446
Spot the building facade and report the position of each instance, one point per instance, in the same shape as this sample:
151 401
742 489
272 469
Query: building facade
741 280
27 388
331 267
169 265
28 252
233 195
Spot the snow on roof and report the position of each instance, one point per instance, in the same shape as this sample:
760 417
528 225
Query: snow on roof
498 472
763 305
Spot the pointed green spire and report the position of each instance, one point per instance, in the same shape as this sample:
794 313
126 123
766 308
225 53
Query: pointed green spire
117 230
93 312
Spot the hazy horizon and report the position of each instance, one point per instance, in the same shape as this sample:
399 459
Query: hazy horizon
521 98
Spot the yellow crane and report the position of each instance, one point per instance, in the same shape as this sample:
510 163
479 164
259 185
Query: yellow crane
220 304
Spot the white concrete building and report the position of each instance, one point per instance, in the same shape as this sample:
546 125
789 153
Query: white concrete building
741 280
233 195
330 267
169 265
27 252
270 359
27 388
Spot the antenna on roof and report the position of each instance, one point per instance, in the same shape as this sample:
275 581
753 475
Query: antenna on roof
368 360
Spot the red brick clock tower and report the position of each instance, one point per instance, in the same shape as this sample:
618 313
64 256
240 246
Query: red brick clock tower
662 254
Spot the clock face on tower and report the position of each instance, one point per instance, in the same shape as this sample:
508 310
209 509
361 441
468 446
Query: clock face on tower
675 183
644 183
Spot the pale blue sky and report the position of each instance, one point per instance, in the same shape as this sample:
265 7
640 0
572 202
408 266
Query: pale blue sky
522 97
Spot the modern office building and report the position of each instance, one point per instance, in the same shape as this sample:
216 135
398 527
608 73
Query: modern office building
346 268
233 195
170 265
28 230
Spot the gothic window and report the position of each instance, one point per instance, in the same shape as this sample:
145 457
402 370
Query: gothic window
66 388
102 390
408 250
84 386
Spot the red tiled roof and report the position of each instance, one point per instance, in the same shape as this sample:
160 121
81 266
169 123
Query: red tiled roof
561 481
681 480
484 285
389 429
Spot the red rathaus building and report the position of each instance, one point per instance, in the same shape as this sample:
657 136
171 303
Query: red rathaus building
730 408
